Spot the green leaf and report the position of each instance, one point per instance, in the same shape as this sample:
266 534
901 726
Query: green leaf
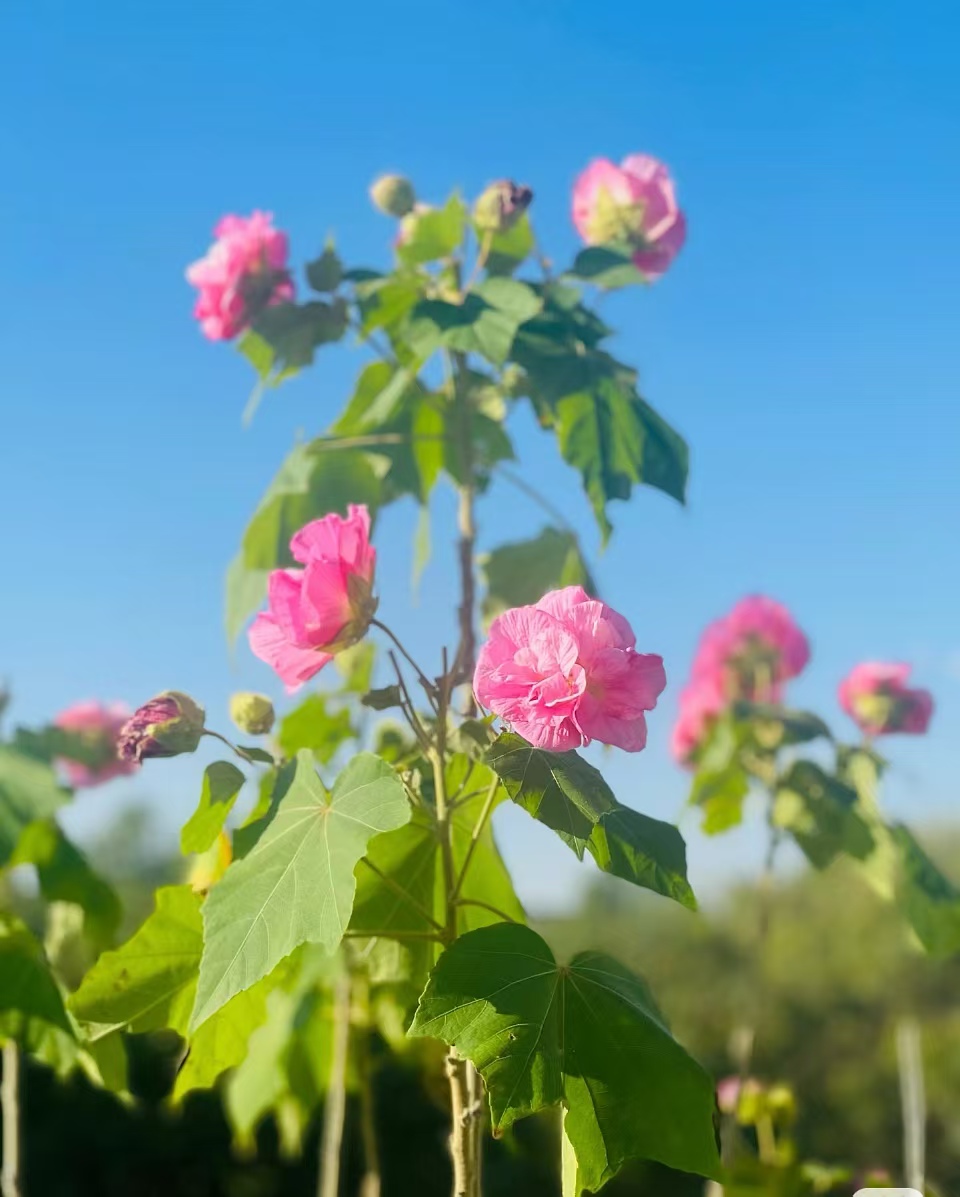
223 1040
427 443
588 1036
65 875
820 812
222 783
293 332
571 797
29 790
607 266
311 483
721 784
385 301
930 901
485 322
382 699
28 992
313 725
776 726
510 249
616 440
325 272
148 982
377 397
521 573
433 234
297 884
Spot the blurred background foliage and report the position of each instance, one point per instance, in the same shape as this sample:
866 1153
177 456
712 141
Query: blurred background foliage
839 973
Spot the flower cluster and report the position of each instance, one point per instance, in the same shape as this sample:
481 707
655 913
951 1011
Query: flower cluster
748 654
876 696
565 671
633 204
319 610
243 272
97 727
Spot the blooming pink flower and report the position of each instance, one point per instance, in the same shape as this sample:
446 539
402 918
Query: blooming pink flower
876 696
318 611
635 203
702 701
565 671
244 271
96 726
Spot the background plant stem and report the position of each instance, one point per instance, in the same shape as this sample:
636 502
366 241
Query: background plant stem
10 1103
336 1104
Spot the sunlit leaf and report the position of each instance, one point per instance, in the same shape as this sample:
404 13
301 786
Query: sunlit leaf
522 572
222 783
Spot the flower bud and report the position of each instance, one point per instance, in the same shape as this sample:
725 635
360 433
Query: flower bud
393 195
501 205
168 725
252 713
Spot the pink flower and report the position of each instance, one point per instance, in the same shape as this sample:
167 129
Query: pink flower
318 611
96 726
876 696
755 648
244 271
702 701
565 671
634 203
168 725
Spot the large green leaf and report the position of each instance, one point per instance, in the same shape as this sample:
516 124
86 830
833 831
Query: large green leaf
380 390
316 726
434 233
586 1035
311 483
509 249
29 790
930 900
29 995
820 812
616 441
289 334
65 875
570 796
721 784
607 266
522 572
223 1040
222 782
147 983
485 322
385 301
297 884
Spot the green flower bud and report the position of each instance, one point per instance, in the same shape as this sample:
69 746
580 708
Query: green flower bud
393 195
500 207
168 725
252 713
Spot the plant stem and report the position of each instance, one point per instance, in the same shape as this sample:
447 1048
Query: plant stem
335 1109
233 747
466 525
370 1185
422 678
913 1102
10 1103
501 914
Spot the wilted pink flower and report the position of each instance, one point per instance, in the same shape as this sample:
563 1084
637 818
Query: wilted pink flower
755 648
244 271
633 203
565 671
97 727
876 696
702 701
168 725
318 611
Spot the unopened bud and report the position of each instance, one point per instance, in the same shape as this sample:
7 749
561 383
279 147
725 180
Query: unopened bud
393 195
168 725
501 205
252 713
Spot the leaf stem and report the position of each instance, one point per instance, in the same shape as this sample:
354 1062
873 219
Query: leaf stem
389 881
406 706
475 836
233 747
501 914
422 678
10 1103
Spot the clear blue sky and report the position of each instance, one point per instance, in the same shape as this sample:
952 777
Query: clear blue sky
805 342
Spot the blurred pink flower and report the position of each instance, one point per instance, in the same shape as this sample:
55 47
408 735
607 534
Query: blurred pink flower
758 646
318 611
244 271
634 203
96 726
876 696
565 672
702 701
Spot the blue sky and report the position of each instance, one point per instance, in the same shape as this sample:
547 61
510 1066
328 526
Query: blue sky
805 342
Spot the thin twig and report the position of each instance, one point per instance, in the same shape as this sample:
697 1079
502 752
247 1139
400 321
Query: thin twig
501 914
537 497
433 936
422 678
233 747
406 705
476 834
335 1106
